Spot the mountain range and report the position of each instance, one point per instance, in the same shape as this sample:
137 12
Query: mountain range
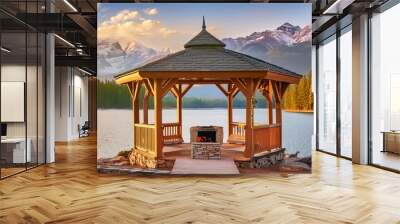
114 58
288 46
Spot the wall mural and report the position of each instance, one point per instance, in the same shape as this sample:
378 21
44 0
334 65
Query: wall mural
204 88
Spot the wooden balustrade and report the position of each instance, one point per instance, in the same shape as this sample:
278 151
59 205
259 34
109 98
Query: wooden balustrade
172 133
238 133
267 137
145 138
239 129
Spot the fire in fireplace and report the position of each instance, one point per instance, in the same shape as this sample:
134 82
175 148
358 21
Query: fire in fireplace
210 134
206 136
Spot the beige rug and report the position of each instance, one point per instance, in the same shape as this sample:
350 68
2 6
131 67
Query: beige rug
184 166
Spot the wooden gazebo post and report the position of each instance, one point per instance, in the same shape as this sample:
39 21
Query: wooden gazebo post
248 87
248 152
179 108
279 89
146 107
158 116
135 104
134 88
230 109
267 93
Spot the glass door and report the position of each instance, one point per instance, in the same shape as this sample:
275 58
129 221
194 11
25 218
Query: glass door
385 90
327 95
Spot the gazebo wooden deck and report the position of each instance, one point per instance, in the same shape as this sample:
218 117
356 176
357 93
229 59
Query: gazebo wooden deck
205 61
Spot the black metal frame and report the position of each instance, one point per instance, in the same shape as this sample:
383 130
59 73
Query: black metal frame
338 95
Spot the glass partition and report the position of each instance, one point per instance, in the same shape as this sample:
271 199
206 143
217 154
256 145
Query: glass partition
327 95
346 92
13 94
22 77
385 89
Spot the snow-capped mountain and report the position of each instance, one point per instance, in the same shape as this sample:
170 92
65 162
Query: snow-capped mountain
288 46
114 58
286 34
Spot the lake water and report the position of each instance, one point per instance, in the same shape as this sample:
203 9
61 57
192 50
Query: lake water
115 127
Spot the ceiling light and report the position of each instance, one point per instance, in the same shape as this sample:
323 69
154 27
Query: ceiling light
327 11
70 5
84 71
64 40
5 50
337 7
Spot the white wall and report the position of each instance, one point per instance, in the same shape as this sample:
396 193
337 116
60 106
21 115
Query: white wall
71 102
14 73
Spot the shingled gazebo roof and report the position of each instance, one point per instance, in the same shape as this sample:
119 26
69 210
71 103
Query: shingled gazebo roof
206 53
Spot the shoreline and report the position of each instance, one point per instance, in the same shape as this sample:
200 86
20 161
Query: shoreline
213 108
299 111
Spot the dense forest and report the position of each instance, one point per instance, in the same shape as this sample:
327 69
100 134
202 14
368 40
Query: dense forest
299 97
111 95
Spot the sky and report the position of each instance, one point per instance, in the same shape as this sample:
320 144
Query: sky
170 25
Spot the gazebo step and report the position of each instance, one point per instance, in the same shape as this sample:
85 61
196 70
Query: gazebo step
236 139
173 141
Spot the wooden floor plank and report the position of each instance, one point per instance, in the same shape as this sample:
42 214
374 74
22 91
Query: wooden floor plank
71 191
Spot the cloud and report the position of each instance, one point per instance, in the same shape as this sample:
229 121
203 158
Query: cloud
151 11
121 17
165 31
127 26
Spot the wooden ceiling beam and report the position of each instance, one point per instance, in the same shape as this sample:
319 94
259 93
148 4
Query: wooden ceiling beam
167 85
149 86
204 81
131 88
232 89
202 74
187 88
235 92
240 86
137 90
220 87
224 76
175 91
277 91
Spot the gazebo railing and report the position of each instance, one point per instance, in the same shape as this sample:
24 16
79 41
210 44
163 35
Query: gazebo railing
145 137
238 129
238 133
267 137
172 133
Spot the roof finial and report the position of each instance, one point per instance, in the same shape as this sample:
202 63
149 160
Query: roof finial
204 24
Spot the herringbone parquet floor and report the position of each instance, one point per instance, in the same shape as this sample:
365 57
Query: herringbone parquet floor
71 191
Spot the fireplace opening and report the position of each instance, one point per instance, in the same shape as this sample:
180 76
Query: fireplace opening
206 136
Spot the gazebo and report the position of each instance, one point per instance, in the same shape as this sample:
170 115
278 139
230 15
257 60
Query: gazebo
205 60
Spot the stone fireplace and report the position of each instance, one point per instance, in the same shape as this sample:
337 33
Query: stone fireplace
206 142
206 134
